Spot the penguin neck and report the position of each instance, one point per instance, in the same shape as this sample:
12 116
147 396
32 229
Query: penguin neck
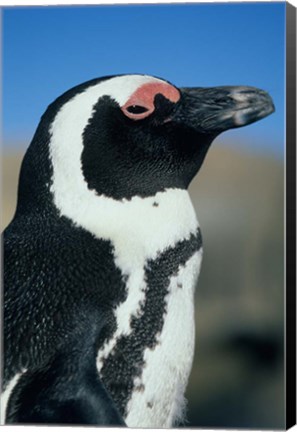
144 226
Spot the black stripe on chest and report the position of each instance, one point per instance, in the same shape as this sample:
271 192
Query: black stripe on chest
125 362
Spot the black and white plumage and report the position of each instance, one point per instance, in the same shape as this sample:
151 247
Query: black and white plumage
103 254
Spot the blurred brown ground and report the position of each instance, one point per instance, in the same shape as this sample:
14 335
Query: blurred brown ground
237 380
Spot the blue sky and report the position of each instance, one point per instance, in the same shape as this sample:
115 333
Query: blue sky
47 50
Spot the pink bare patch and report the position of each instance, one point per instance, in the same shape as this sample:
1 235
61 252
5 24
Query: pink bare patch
144 97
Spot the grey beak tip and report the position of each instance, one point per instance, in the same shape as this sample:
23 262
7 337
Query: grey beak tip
217 109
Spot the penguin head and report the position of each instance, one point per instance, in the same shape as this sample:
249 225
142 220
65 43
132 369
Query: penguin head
136 135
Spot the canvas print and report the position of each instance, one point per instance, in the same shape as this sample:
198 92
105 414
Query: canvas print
123 127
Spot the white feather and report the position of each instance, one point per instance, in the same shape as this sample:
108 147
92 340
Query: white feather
7 393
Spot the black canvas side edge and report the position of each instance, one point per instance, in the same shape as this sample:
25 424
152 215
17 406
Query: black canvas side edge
290 215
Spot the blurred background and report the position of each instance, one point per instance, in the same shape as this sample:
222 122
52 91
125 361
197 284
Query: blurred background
237 380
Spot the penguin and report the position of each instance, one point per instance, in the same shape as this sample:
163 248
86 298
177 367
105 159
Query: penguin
103 254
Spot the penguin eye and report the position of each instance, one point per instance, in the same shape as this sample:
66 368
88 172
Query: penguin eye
136 109
137 112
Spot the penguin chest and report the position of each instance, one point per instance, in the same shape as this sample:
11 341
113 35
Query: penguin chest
157 396
146 355
146 363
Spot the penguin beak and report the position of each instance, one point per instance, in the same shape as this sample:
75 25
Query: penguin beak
217 109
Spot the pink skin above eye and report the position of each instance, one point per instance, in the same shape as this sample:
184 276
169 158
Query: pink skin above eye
144 97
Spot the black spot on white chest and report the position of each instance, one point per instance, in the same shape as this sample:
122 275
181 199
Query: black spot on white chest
140 320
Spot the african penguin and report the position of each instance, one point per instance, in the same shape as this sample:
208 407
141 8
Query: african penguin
102 256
